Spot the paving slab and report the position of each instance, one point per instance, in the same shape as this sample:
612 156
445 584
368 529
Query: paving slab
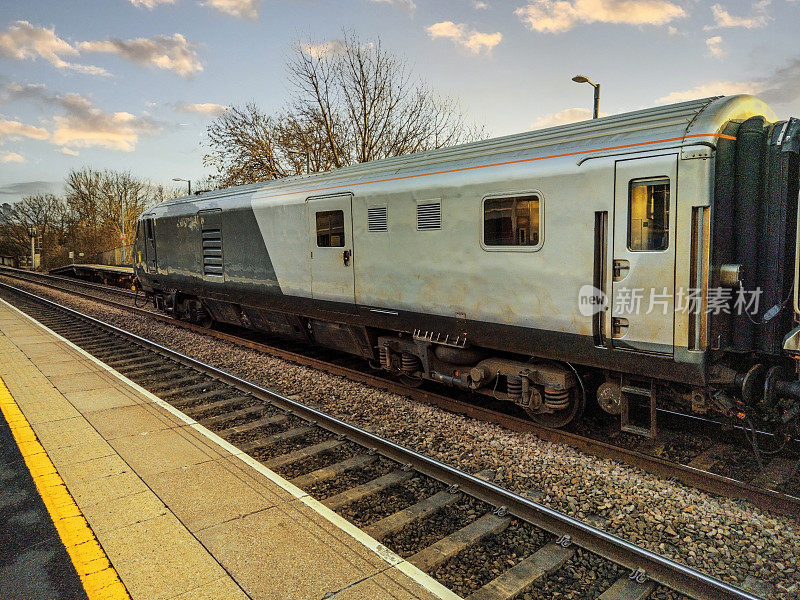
74 382
133 420
179 450
391 583
280 537
173 563
87 401
200 494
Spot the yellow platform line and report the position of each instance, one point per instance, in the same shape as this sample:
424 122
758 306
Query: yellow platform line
99 578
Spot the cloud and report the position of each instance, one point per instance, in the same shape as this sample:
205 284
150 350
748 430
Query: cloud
11 157
714 45
84 125
26 188
714 88
323 49
722 18
13 130
23 41
244 9
471 40
783 85
479 5
407 6
557 16
150 4
201 108
79 124
168 53
69 152
570 115
9 92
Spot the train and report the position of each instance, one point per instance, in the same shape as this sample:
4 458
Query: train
633 262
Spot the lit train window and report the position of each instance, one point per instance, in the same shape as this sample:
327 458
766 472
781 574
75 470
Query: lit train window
330 229
511 221
648 215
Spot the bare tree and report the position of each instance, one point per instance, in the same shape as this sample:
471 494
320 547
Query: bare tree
46 216
101 201
88 220
122 200
245 146
351 102
83 195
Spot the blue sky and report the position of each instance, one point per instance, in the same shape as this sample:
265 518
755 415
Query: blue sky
132 84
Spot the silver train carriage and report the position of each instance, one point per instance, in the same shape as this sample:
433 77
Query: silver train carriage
639 260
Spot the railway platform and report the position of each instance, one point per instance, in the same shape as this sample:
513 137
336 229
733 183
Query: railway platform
112 493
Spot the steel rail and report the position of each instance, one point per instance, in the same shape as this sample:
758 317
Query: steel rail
707 481
111 289
680 578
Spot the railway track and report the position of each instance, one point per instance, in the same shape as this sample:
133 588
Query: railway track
441 519
695 470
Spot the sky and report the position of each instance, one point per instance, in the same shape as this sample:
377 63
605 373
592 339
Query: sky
131 85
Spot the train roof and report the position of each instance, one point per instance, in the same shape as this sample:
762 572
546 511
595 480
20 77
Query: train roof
684 123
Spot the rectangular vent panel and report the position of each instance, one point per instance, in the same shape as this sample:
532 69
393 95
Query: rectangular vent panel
378 219
212 252
429 216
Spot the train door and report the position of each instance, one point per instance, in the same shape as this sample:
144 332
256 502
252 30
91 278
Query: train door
150 258
642 302
330 224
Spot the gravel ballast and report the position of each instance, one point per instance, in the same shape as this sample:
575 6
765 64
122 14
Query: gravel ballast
728 539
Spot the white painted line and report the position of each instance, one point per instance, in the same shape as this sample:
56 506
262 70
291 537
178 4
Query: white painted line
392 559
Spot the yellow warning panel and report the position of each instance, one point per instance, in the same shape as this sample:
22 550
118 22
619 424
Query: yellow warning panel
98 576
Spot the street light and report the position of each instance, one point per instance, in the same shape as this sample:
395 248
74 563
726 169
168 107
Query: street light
596 86
122 228
187 181
308 158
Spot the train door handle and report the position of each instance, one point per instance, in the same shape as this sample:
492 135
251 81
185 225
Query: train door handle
621 268
619 327
346 258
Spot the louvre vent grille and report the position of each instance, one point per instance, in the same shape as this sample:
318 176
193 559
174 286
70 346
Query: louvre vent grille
429 216
212 252
378 219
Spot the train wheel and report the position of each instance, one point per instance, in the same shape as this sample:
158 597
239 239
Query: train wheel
564 417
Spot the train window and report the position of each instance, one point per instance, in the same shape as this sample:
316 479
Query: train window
330 229
149 228
511 221
648 215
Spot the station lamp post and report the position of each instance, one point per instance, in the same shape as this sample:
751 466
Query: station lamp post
122 227
32 235
596 86
187 181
